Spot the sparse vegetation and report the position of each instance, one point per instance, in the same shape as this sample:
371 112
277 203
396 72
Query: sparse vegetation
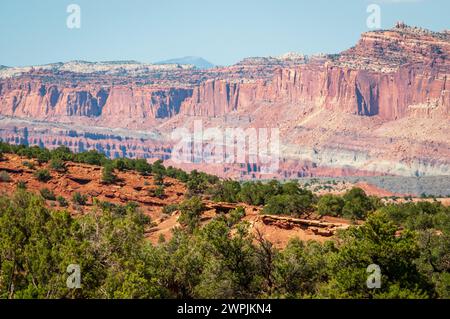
108 176
28 165
235 216
191 210
62 201
21 185
58 165
142 167
160 192
169 209
43 175
79 199
330 205
47 194
4 177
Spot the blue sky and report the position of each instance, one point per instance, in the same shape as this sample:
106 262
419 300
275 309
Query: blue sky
223 32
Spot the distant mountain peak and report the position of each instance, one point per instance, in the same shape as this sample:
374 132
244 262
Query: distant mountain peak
196 61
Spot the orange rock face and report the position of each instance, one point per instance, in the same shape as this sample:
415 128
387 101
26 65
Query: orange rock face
381 107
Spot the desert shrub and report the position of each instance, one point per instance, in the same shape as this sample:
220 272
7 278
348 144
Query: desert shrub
160 192
108 176
177 174
21 185
226 191
259 193
159 179
43 175
42 156
47 194
58 165
28 165
62 153
294 205
286 199
235 216
142 167
419 216
198 183
91 157
158 168
191 210
79 199
169 209
62 201
330 205
357 204
221 259
119 164
4 177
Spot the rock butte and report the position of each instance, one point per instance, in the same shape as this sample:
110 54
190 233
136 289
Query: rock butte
379 108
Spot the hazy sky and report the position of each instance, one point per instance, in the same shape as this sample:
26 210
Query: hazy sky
222 31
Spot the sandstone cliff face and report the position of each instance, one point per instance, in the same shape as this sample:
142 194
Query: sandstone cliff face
412 90
390 74
219 97
381 107
38 100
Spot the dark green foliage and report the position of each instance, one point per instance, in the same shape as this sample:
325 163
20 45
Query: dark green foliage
21 185
158 168
288 205
62 153
301 268
142 167
90 157
109 248
330 205
108 176
377 242
169 209
226 191
62 201
47 194
418 216
119 164
258 193
28 165
159 179
287 199
40 154
219 260
235 216
191 210
357 204
159 191
4 177
79 199
197 183
222 258
177 174
43 175
58 165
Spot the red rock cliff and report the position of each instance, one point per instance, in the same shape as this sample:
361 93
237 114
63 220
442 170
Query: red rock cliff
390 74
25 97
